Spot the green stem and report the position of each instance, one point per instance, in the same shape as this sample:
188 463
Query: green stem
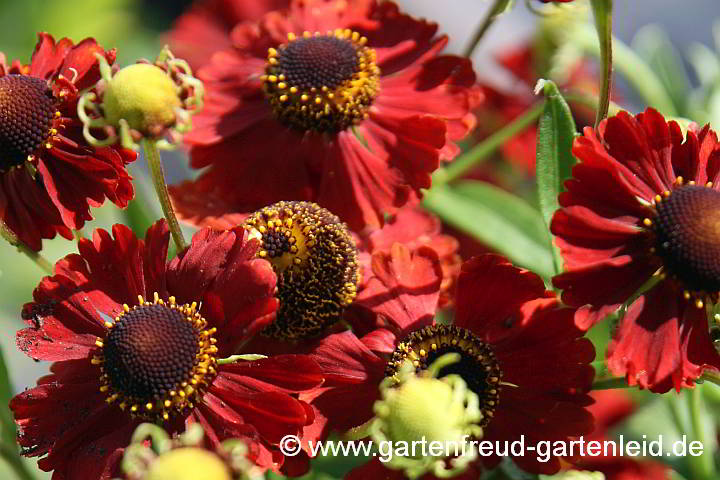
590 101
497 8
10 455
702 466
710 376
610 383
248 357
359 432
634 69
601 370
602 11
152 155
482 150
36 257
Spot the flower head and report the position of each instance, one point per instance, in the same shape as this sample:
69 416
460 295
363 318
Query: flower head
349 105
205 28
512 337
185 457
424 408
135 338
143 100
49 175
643 205
315 258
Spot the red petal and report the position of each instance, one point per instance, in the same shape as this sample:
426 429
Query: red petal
48 56
662 342
282 373
273 414
404 288
352 172
489 293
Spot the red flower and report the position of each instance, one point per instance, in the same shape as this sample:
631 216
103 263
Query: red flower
611 407
157 360
49 175
410 225
360 138
642 205
205 28
524 335
414 227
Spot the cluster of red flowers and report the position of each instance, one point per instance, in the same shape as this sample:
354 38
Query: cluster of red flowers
323 122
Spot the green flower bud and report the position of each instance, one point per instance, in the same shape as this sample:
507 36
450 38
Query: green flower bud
144 101
574 475
144 96
188 463
424 408
416 410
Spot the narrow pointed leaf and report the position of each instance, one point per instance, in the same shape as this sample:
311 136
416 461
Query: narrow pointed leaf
556 131
503 222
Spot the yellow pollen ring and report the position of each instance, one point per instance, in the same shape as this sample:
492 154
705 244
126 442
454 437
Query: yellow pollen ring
322 107
184 396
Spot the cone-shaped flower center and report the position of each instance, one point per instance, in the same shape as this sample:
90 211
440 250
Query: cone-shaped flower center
156 357
27 109
687 230
323 83
188 463
315 258
477 366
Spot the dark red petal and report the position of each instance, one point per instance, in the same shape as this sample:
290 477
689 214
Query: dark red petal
643 144
28 210
282 373
490 291
404 286
605 285
194 270
64 320
116 264
48 56
539 419
380 341
202 203
273 414
239 317
351 171
344 359
542 341
81 66
659 341
77 178
411 144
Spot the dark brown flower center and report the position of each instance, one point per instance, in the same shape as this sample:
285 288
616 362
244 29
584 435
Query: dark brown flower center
315 259
687 230
323 83
318 62
477 366
27 109
156 357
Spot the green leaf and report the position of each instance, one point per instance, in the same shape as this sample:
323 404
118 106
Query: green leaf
6 421
653 45
556 131
500 220
602 11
